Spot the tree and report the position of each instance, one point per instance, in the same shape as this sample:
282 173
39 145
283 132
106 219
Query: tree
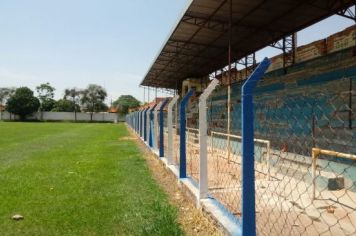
22 102
46 94
74 95
124 102
5 93
47 105
93 99
63 105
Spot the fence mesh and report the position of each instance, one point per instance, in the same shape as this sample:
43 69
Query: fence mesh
304 148
224 156
176 132
224 149
192 138
319 117
165 131
156 128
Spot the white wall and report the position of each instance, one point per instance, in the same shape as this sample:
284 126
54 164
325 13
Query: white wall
65 116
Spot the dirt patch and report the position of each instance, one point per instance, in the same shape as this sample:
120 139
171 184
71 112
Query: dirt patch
128 138
192 219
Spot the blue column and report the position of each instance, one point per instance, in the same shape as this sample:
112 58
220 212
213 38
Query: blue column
145 124
150 138
248 158
182 147
161 128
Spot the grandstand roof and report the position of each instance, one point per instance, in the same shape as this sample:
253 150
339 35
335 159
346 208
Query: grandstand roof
198 45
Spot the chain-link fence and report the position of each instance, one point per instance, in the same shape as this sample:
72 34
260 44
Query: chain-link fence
304 152
174 152
156 128
165 131
176 131
224 154
224 149
192 138
312 184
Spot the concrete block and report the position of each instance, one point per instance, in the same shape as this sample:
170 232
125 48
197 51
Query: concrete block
336 183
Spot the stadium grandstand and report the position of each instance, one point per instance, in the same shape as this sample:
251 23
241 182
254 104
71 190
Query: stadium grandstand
304 115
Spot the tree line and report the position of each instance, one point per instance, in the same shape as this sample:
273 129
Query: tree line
23 102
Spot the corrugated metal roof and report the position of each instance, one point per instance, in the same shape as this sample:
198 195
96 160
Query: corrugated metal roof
198 45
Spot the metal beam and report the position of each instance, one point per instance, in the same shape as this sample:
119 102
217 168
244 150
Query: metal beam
205 23
186 44
200 28
348 13
324 9
288 45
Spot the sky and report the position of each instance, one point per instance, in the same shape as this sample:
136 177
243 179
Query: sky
72 43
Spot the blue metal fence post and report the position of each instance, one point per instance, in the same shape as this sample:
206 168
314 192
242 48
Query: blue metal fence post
150 138
161 123
248 158
182 147
145 124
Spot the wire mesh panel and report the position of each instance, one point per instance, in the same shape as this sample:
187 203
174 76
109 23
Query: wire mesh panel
156 128
192 153
192 138
310 187
165 132
224 150
224 178
176 131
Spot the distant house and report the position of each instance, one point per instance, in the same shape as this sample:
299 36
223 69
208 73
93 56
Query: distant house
150 104
2 108
113 110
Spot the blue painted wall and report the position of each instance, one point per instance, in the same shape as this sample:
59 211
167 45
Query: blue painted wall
308 107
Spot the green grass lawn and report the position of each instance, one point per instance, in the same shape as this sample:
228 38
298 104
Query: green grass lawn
78 179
